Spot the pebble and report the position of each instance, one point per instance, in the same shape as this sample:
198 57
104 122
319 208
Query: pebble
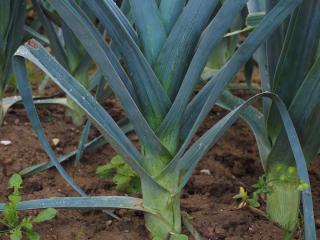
5 142
109 222
55 141
16 121
205 171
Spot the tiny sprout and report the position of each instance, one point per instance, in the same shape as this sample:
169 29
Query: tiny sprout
292 170
303 186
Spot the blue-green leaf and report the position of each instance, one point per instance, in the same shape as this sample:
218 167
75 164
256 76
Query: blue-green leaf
170 10
55 43
206 98
151 29
210 39
152 97
178 49
297 56
104 122
111 69
190 159
253 118
83 203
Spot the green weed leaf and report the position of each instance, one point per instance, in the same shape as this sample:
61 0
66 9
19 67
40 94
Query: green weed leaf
15 181
45 215
16 234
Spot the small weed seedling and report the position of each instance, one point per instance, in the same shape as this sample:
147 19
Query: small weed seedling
261 187
11 224
124 177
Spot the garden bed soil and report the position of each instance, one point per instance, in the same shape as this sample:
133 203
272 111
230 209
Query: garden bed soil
231 163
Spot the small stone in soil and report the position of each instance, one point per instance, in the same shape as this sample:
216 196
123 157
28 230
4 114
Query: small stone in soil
5 142
109 222
205 171
16 121
55 141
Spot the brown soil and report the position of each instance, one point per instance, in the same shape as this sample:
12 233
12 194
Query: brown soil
232 163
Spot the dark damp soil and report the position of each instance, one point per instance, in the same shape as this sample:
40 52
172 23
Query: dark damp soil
231 163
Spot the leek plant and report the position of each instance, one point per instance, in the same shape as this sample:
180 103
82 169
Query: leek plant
153 68
68 51
289 67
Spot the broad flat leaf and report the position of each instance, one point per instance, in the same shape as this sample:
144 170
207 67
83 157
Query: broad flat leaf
103 121
152 33
305 113
208 42
13 37
297 57
274 43
205 142
111 68
178 49
170 10
83 203
123 19
253 118
201 105
45 215
151 95
55 43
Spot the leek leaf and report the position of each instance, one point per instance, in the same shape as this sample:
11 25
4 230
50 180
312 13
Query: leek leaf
55 43
297 56
170 10
152 32
209 40
146 84
305 113
253 118
111 131
190 159
177 51
206 98
111 69
82 203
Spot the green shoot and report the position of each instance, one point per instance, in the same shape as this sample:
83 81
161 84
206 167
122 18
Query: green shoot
252 200
124 177
14 226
